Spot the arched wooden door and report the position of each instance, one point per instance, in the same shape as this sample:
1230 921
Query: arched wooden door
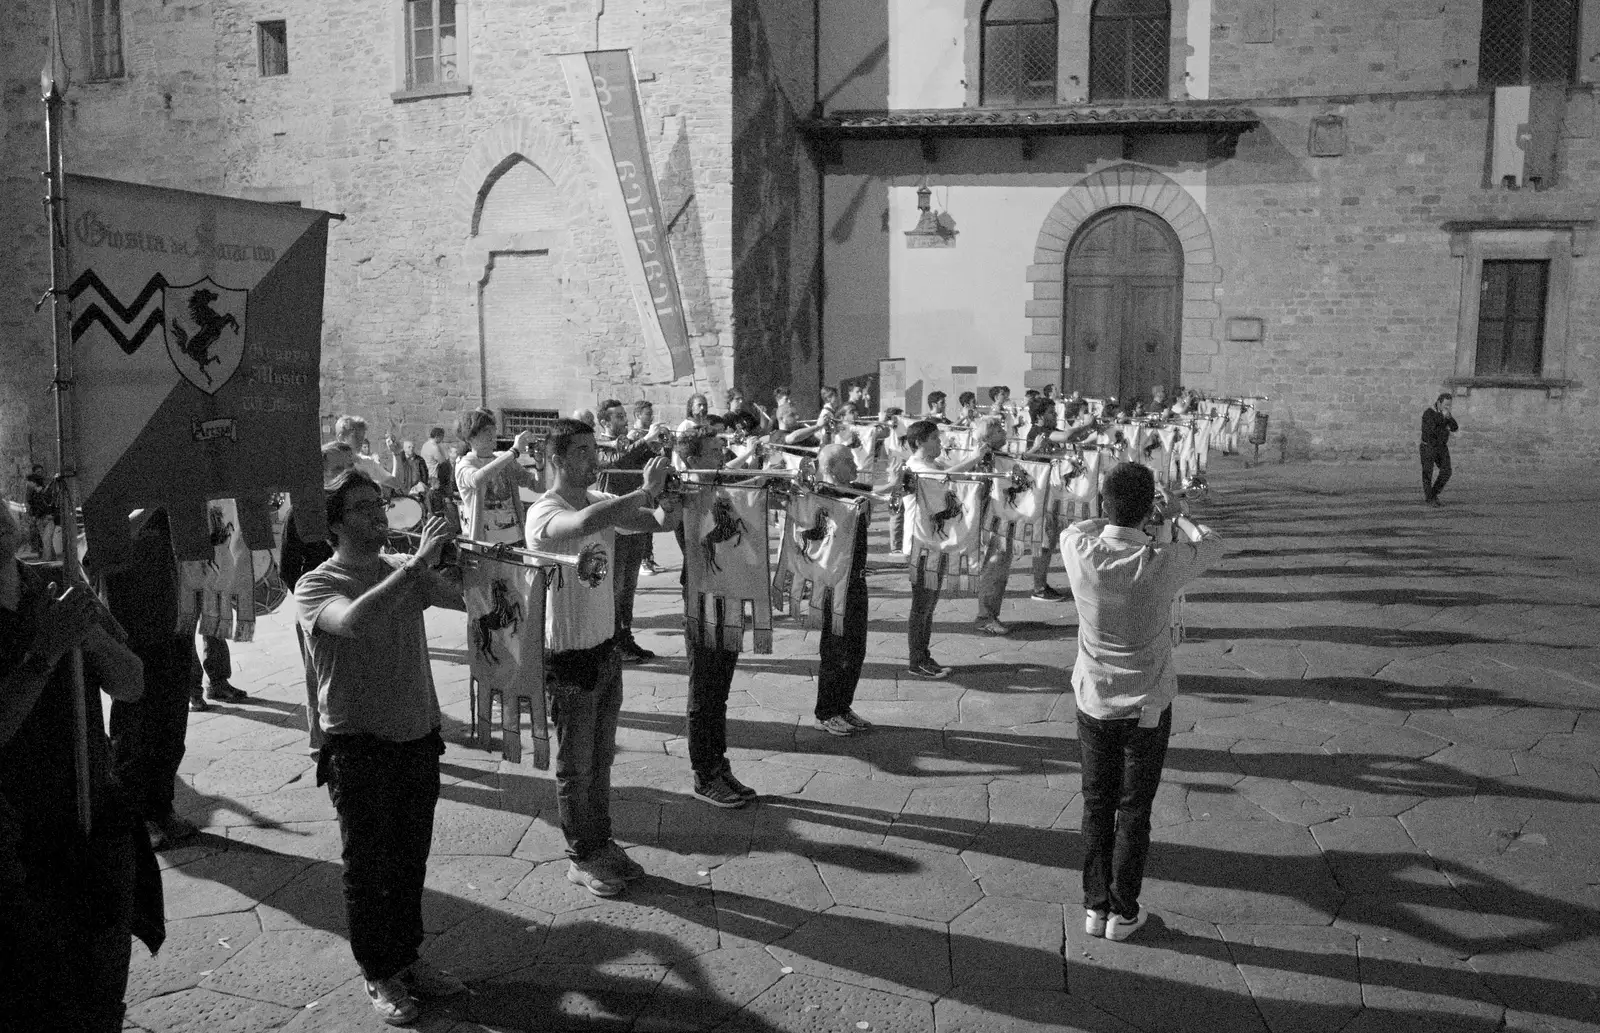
1124 306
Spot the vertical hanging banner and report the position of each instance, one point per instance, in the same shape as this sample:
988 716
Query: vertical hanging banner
816 557
891 384
196 348
610 121
505 639
725 562
944 518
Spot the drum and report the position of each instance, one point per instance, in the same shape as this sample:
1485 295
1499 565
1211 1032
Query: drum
404 513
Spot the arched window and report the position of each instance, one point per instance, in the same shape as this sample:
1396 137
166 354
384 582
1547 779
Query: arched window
1019 53
1528 41
1130 49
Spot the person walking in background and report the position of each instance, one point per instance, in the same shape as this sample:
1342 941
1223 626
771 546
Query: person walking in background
1124 681
1437 426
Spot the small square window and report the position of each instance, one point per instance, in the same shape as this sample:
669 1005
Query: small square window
273 49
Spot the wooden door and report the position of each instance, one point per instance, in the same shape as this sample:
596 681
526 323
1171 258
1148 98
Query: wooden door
1124 307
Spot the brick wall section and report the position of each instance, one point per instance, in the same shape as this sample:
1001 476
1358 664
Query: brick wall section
1347 262
400 338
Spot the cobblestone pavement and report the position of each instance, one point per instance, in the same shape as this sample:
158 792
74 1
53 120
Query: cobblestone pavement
1381 811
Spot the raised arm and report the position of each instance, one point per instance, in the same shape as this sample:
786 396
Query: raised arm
351 618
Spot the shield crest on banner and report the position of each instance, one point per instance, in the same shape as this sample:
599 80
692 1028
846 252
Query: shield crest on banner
205 332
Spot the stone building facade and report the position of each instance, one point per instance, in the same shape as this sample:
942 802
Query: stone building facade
1301 201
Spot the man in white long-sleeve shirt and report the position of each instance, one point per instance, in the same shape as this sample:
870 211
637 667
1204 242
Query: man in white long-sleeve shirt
1124 582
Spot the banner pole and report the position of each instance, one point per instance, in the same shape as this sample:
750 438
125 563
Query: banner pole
61 383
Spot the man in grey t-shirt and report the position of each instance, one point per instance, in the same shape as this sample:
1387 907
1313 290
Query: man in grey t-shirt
361 615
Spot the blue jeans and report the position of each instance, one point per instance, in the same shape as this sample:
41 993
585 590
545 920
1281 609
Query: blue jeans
841 656
710 681
625 559
385 794
1121 772
919 626
583 709
992 578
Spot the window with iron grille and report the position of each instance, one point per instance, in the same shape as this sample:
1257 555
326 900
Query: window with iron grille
430 43
1130 50
105 39
1528 41
515 421
1511 307
273 47
1019 53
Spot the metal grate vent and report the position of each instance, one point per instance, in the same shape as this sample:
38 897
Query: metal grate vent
515 421
1129 58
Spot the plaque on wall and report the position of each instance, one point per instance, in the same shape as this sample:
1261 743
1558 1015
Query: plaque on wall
1327 136
1245 328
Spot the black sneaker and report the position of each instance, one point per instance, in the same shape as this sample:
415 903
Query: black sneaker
738 786
718 793
929 668
634 653
223 692
1048 594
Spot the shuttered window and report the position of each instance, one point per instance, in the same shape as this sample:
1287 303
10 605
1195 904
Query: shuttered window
273 49
1511 310
105 39
1528 41
1019 53
1130 50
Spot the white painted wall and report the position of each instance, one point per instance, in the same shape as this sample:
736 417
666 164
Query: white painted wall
927 44
1197 65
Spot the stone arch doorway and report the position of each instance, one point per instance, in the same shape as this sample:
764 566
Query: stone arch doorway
1123 313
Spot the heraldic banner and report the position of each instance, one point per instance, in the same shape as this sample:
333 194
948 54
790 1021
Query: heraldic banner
942 542
725 562
815 558
1019 506
505 640
196 345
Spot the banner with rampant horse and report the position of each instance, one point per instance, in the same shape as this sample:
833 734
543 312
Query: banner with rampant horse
505 643
943 518
196 345
725 562
815 559
1019 505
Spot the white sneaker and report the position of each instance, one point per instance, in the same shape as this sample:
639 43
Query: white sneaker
392 1001
600 882
836 726
1094 923
1119 928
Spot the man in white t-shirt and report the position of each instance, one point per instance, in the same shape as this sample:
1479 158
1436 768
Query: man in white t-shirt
432 450
583 672
489 482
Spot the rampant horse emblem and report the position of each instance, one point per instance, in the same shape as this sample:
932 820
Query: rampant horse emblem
507 613
953 510
813 541
208 332
1021 483
726 526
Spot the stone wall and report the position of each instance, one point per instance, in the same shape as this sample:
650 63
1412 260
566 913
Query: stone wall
401 337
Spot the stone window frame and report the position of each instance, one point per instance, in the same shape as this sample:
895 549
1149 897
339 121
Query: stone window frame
1124 185
462 86
1555 241
92 71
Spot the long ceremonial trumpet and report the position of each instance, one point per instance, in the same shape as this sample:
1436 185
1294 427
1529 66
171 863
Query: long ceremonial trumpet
590 563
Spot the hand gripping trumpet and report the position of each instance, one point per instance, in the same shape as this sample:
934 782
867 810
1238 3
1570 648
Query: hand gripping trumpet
590 563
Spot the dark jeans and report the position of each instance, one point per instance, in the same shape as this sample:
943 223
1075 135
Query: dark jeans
897 527
583 710
1121 772
147 735
215 660
1434 456
710 680
992 578
625 559
385 794
839 670
919 626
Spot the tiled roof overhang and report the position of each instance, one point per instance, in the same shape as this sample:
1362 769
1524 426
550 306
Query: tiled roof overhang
1222 124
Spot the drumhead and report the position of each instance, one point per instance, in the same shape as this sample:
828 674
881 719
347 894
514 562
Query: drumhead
404 514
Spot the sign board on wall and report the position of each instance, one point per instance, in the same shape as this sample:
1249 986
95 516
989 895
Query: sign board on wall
964 378
891 384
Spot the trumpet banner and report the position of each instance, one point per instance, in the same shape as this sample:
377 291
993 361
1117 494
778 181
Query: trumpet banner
217 595
943 519
505 644
726 567
815 559
1019 507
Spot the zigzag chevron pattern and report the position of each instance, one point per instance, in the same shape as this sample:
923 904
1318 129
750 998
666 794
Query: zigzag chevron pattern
129 343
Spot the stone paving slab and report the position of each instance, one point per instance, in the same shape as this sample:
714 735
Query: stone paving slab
1381 811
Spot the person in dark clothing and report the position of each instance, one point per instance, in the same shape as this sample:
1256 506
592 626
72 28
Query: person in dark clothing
1437 426
147 735
624 459
841 656
68 900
